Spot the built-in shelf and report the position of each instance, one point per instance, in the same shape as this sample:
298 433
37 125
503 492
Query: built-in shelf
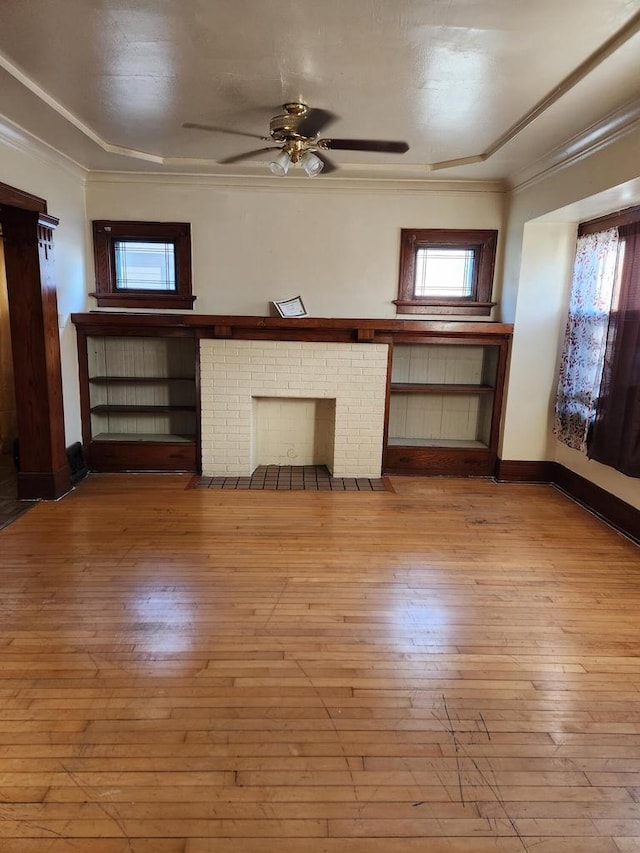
138 380
140 407
444 405
439 388
113 408
435 442
143 437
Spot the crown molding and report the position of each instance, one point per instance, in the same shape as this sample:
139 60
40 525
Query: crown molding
597 137
269 183
13 136
30 84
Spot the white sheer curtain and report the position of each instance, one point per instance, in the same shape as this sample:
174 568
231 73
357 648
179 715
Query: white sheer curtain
594 276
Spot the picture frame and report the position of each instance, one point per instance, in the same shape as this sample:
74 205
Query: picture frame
290 307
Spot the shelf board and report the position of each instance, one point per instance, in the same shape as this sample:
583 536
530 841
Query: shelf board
439 388
113 408
142 380
436 442
142 437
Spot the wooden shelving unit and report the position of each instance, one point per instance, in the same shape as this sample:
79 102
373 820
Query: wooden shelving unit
139 387
139 399
445 400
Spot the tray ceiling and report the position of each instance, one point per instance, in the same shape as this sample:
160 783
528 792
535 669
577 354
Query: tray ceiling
495 86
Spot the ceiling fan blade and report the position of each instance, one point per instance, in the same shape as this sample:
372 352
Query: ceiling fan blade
247 155
384 146
192 125
314 122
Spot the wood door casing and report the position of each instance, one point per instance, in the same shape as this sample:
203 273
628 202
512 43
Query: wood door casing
28 248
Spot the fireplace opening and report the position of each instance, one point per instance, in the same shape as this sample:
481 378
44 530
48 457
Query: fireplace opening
293 431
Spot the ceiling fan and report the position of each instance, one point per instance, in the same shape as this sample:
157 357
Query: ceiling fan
297 131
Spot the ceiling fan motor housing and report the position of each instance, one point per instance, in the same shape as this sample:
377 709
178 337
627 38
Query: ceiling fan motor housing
286 126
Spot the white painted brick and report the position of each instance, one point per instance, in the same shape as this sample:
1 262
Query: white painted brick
362 410
230 360
354 375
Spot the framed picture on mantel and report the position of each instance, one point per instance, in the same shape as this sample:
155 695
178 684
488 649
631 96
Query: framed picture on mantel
290 307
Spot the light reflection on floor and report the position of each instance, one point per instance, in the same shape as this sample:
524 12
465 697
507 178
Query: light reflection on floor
168 615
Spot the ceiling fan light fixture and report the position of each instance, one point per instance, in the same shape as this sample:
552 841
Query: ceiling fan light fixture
280 164
311 163
296 132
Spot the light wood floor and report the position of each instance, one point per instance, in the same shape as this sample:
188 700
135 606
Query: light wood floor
453 668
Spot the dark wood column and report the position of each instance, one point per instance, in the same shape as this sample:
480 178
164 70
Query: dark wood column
33 311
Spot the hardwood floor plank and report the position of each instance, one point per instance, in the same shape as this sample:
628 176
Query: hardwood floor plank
359 794
627 845
408 845
97 845
111 825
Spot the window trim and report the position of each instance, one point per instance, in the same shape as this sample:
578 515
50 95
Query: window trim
483 242
107 295
617 219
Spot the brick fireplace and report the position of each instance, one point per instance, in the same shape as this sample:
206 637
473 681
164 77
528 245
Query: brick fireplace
292 403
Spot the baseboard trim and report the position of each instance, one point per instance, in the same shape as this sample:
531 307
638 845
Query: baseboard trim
517 471
613 510
44 485
616 512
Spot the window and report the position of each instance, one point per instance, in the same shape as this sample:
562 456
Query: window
446 272
615 437
598 400
142 264
145 266
594 277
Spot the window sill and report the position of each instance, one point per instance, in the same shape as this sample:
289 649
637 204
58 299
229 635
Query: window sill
443 306
143 300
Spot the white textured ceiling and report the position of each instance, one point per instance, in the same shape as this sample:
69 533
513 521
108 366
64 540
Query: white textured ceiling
111 82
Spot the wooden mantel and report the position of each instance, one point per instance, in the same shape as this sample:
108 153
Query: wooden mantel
281 328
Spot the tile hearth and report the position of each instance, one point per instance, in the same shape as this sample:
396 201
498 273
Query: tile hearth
310 478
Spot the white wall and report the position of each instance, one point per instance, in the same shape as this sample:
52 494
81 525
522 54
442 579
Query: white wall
337 247
545 272
31 167
539 253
